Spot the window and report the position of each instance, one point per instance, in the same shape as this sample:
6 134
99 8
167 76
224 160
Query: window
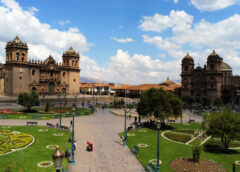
74 80
212 78
63 74
212 66
20 77
211 85
22 56
51 74
186 68
17 56
76 63
33 72
72 62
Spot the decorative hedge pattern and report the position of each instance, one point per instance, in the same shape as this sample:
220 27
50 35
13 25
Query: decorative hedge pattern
183 138
12 140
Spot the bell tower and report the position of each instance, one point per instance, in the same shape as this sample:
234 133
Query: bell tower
70 58
187 70
16 51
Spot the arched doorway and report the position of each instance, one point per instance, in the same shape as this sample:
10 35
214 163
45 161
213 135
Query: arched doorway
64 91
34 89
51 88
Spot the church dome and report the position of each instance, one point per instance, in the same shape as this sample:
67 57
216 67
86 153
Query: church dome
225 66
71 52
187 58
17 43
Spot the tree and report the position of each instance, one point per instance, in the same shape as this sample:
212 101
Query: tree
226 126
160 104
218 102
205 102
47 106
28 100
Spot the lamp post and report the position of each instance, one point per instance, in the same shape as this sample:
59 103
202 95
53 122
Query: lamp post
125 127
57 159
158 127
72 162
60 116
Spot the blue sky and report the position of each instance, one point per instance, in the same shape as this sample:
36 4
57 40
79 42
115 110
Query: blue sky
127 41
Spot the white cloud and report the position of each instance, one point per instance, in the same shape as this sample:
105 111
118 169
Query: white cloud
41 37
122 40
175 1
64 22
212 5
179 20
199 39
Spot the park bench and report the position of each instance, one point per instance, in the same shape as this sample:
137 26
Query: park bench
37 117
68 115
150 167
86 113
4 116
191 120
49 125
65 128
171 121
129 128
32 123
56 116
135 150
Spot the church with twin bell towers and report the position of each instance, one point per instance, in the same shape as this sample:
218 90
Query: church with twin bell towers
19 74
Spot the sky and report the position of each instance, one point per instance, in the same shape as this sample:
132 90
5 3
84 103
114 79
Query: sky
127 41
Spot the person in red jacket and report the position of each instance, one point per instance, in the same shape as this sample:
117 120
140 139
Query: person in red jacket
89 146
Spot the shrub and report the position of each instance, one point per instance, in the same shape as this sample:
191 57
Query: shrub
196 153
47 106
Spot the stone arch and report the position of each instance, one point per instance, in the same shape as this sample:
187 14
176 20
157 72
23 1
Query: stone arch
34 89
17 56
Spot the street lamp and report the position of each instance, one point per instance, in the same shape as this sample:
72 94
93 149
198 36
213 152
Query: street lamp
158 128
125 129
60 116
57 159
72 162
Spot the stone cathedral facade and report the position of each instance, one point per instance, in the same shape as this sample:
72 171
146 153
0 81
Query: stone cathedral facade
214 80
19 74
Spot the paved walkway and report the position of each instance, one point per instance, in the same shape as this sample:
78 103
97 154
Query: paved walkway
102 130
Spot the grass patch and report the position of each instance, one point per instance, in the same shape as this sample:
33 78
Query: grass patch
170 150
27 159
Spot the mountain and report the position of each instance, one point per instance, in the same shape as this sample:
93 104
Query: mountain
91 80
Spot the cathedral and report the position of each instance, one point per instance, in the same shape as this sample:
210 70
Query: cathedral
19 74
214 80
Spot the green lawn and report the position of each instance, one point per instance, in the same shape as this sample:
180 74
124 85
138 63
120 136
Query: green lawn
170 150
26 160
37 112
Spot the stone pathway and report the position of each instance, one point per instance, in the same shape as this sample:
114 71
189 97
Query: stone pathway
102 130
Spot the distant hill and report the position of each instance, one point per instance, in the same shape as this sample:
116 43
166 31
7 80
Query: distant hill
91 80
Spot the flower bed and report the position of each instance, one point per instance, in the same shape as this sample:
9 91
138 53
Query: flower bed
9 111
187 131
12 140
183 138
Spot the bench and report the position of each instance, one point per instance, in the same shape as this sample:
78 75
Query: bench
191 120
135 150
129 128
56 116
171 121
68 115
65 128
32 123
49 125
86 113
36 117
4 116
150 167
